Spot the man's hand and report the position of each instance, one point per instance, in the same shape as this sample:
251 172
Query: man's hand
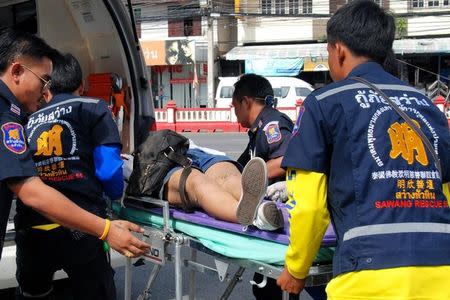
121 239
277 191
289 283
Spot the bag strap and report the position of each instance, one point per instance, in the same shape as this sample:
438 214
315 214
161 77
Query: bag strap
176 157
407 119
186 164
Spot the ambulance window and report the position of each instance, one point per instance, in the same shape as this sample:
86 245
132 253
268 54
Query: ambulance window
21 15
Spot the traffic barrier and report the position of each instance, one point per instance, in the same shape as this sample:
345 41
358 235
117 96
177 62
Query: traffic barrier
223 119
205 119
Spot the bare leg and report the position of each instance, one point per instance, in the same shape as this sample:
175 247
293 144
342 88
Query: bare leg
227 176
203 192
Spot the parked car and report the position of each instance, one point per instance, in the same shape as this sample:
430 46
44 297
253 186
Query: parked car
286 89
101 36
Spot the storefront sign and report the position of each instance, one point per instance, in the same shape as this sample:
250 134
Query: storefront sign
186 80
170 52
315 64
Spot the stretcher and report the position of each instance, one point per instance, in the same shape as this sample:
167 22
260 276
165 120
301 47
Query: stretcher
167 230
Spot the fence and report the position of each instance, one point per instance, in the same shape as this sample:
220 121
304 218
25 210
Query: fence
224 119
206 119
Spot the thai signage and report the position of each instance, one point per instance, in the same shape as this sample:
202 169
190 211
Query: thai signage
170 52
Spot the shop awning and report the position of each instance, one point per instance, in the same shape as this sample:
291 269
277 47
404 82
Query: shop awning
277 51
319 50
422 46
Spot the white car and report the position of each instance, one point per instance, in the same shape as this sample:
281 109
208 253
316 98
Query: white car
286 89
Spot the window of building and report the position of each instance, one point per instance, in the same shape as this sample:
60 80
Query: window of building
417 3
307 6
433 3
282 7
20 16
266 7
279 7
184 21
446 2
293 7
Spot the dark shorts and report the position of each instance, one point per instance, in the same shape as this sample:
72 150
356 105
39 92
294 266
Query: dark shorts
201 161
41 253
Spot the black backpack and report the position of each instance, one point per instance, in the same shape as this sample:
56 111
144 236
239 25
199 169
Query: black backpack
160 152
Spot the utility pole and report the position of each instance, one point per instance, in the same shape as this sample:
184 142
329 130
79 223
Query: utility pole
210 77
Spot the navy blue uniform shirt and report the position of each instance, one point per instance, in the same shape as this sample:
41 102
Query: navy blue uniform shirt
381 179
268 136
62 135
15 156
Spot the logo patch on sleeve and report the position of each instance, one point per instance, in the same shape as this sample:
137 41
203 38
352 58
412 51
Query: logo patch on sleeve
301 111
273 132
14 138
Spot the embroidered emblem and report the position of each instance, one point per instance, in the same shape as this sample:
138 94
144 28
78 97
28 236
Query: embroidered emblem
301 111
272 131
13 137
15 109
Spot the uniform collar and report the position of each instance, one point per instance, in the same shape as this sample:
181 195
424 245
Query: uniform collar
365 68
58 98
15 107
259 119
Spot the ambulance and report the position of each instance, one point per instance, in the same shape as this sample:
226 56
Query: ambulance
101 35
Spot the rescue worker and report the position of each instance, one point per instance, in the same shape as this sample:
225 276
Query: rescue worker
76 146
269 133
25 68
352 157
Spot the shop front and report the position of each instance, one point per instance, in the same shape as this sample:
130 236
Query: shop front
178 72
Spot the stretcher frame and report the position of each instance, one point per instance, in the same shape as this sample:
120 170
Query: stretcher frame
166 246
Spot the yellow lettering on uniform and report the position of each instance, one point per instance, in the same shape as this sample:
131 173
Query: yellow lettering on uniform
401 184
407 143
430 184
49 142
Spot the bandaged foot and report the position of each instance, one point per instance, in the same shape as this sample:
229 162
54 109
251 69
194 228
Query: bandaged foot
277 191
269 217
254 185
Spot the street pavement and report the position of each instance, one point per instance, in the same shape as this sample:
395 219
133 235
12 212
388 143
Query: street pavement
207 287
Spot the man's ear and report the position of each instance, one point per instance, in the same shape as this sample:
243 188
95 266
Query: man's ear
80 90
47 95
341 51
15 71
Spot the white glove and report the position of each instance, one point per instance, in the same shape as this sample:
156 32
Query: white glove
277 191
127 165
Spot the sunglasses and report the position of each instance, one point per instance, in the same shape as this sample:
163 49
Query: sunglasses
46 83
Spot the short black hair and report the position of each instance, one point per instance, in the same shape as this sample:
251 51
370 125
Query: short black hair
15 43
365 28
67 75
252 85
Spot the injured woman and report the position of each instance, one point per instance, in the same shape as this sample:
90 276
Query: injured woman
217 186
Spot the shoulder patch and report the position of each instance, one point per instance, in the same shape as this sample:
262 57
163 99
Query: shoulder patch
14 138
301 111
273 132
